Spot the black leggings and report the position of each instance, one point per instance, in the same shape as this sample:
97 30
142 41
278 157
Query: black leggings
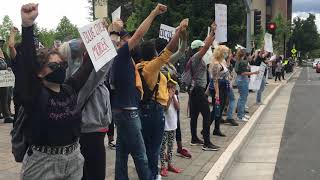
4 92
199 104
278 76
110 132
223 95
94 153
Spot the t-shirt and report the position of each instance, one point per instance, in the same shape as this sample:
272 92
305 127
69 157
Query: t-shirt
125 93
171 118
258 62
199 71
241 67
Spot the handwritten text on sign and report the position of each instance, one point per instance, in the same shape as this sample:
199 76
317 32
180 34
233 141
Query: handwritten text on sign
166 32
256 80
6 78
98 43
222 22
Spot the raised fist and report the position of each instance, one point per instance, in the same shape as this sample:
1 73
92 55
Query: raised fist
29 12
160 9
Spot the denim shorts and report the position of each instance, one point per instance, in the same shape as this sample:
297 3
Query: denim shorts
52 167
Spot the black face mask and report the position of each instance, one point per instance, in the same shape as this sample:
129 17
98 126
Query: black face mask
58 76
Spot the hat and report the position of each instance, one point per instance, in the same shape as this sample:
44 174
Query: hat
197 44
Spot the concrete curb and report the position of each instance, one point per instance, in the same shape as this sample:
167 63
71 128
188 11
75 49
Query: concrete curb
226 159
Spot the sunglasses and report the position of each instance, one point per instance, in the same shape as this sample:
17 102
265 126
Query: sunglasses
54 65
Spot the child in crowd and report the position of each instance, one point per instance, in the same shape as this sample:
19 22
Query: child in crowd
170 129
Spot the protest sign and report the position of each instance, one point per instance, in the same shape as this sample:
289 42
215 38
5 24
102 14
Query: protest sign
6 78
256 80
100 8
268 46
221 22
116 15
166 32
98 43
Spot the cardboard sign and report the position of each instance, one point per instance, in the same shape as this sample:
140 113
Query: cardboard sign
166 32
256 80
268 46
6 78
221 20
98 43
101 8
116 15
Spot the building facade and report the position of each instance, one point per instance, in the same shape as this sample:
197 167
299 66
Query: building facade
270 9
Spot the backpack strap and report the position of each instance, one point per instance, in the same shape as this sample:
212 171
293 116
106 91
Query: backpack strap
146 88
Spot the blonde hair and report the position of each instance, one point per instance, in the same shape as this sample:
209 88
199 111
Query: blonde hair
218 53
240 54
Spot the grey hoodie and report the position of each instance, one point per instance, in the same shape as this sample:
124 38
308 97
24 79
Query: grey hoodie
94 101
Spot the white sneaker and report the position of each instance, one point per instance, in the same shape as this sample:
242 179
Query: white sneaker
244 119
158 177
247 116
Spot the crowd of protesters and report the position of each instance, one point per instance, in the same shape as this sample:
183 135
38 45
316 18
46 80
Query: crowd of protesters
64 109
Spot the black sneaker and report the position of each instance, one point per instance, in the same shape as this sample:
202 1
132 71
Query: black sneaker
111 145
218 133
8 120
232 122
196 142
210 147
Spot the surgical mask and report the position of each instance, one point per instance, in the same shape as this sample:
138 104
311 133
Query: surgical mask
225 55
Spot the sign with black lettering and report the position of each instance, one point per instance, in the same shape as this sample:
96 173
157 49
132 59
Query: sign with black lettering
166 32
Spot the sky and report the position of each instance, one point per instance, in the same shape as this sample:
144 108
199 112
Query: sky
50 11
302 8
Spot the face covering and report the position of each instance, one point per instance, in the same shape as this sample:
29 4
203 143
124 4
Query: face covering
58 76
225 55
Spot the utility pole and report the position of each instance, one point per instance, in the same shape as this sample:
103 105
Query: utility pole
248 9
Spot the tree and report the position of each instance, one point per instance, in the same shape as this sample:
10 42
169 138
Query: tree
47 37
66 30
5 27
282 34
305 35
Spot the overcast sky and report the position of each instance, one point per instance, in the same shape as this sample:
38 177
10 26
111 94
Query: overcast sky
51 11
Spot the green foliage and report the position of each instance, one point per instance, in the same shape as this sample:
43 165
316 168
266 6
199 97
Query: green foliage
282 34
66 30
305 35
5 27
200 14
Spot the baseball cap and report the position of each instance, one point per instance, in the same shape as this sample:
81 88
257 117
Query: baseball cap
197 44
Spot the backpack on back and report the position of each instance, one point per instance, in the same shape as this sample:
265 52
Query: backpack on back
147 92
187 75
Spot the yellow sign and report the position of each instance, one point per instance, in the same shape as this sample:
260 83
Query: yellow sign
293 51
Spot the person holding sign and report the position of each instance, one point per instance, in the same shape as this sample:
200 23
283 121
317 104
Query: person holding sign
198 98
126 92
49 104
155 96
243 71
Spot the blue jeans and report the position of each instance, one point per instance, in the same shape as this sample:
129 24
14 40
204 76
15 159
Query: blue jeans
243 87
152 121
262 87
130 141
231 104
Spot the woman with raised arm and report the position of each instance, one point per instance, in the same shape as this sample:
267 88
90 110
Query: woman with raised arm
52 126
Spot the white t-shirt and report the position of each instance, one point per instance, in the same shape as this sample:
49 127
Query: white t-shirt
171 118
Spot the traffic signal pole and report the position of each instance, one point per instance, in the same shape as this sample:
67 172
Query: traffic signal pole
248 9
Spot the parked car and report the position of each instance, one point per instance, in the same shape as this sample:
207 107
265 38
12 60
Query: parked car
315 62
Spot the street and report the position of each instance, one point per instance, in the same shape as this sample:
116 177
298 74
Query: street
299 151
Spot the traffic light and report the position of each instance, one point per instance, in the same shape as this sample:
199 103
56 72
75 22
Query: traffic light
257 22
271 27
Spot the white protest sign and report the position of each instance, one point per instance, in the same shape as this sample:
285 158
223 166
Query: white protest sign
221 20
98 43
116 15
6 78
101 8
268 46
166 32
256 80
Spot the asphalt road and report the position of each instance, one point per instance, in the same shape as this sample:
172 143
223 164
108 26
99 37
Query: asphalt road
299 156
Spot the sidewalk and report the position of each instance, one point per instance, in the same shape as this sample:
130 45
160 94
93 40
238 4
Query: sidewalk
257 158
195 168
